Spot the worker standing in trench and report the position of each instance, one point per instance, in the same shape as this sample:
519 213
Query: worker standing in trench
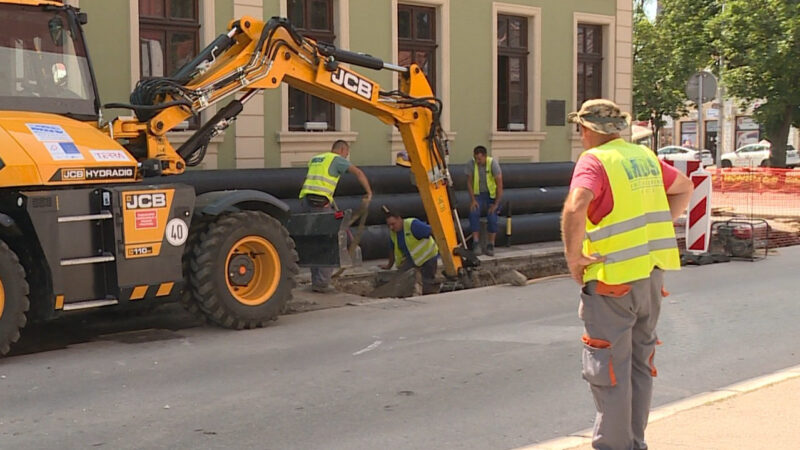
618 235
324 171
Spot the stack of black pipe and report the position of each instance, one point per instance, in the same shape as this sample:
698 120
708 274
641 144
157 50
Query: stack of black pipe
534 194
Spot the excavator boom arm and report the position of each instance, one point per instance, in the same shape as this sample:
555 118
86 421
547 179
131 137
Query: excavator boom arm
256 55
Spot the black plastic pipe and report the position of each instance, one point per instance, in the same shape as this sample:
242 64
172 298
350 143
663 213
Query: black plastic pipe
522 175
285 183
536 191
524 201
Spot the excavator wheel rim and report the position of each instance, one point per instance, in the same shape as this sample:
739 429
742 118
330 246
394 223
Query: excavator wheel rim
266 271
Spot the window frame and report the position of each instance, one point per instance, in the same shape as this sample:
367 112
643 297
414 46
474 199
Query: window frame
328 36
707 131
415 44
688 124
519 146
741 130
522 53
594 59
311 32
168 25
613 78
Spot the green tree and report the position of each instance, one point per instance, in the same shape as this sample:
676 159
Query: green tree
654 95
760 42
666 52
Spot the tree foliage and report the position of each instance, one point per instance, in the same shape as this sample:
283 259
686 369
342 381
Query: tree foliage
760 43
655 93
666 52
757 41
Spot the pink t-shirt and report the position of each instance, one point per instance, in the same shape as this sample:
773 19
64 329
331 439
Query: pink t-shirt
590 174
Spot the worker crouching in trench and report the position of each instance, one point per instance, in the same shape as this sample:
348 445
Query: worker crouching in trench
413 248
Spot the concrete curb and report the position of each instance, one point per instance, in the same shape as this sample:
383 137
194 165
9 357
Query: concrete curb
584 437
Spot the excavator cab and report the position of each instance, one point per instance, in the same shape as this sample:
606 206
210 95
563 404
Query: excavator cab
46 67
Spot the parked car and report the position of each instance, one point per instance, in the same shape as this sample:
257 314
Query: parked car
707 158
676 153
757 155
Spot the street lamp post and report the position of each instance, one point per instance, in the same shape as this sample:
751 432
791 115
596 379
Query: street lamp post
721 100
700 111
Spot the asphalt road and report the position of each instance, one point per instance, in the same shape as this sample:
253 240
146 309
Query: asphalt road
492 368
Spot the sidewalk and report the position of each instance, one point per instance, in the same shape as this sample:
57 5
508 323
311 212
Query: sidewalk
763 413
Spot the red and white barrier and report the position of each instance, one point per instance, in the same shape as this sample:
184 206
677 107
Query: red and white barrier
687 167
698 225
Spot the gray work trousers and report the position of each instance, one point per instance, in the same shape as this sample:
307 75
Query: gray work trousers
428 272
619 347
320 276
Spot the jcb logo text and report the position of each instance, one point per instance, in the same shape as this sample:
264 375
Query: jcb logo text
353 83
73 174
146 201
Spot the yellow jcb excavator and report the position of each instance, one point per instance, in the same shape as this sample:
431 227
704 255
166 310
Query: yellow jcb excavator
83 224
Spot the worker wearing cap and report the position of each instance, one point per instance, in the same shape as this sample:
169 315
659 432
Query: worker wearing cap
485 187
402 160
619 238
316 194
413 247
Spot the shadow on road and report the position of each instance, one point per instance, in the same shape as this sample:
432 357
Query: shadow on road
142 323
132 326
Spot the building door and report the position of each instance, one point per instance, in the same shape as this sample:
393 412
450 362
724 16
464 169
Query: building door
712 128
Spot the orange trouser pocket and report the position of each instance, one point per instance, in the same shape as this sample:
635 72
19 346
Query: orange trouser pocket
612 290
598 367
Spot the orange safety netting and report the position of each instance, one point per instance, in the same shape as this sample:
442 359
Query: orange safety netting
760 193
756 180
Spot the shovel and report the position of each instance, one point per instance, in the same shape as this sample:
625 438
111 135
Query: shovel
361 217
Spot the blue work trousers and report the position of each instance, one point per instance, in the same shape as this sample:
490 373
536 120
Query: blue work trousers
484 201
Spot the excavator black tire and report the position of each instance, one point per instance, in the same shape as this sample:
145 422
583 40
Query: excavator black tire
14 301
242 270
196 230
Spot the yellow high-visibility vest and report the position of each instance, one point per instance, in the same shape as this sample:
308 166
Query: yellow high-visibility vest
638 234
421 250
319 181
491 184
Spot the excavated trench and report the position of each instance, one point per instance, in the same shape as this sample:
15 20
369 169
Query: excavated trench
533 196
519 266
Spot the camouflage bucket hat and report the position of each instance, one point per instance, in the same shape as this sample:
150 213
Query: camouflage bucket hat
602 116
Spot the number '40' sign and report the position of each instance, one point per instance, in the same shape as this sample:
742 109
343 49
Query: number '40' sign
177 232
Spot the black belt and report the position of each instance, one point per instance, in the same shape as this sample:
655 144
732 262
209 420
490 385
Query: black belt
317 201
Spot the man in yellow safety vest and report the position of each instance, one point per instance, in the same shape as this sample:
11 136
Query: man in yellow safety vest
485 188
324 171
413 247
618 235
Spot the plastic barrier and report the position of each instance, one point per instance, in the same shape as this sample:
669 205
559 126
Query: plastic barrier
698 225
